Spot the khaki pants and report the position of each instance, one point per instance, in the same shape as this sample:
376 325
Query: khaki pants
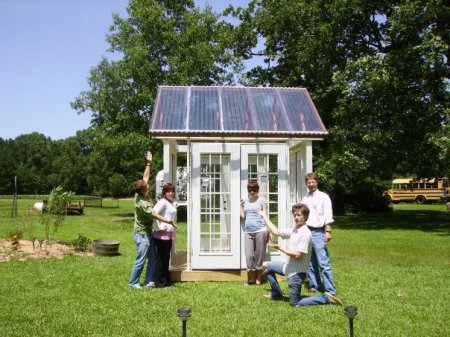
255 249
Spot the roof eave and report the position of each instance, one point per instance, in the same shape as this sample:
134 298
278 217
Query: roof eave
238 134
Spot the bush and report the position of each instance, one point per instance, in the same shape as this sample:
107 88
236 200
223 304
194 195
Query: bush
82 243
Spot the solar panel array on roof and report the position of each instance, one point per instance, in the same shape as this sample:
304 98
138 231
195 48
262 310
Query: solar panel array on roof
195 111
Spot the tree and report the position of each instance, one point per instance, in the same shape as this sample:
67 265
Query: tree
119 156
8 167
378 73
70 165
394 107
53 216
33 155
119 186
162 43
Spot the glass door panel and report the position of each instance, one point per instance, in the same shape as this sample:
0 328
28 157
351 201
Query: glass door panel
267 165
215 227
215 223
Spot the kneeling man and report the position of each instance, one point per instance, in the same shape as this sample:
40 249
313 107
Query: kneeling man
298 253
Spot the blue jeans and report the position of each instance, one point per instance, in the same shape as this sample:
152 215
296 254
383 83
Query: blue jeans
274 268
295 287
145 249
320 273
313 300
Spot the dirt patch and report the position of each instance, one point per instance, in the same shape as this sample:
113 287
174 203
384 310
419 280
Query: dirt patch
27 250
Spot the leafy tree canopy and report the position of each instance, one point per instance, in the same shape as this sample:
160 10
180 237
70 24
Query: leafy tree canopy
161 43
378 73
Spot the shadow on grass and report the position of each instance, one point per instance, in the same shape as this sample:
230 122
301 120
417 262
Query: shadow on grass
124 215
424 220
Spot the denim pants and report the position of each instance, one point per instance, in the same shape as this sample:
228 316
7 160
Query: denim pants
273 268
145 249
295 286
294 282
320 273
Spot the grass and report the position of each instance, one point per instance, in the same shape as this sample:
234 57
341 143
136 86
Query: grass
394 267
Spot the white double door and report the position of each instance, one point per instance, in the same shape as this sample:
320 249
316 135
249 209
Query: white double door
219 178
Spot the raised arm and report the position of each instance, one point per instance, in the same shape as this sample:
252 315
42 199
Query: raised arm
146 176
272 228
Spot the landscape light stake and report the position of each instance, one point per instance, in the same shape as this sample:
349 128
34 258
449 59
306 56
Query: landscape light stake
184 314
351 311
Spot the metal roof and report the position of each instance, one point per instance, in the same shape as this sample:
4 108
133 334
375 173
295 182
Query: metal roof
191 111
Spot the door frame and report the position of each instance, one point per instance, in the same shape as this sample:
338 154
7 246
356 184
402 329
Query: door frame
211 261
282 152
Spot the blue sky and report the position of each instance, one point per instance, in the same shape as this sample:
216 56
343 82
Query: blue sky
48 48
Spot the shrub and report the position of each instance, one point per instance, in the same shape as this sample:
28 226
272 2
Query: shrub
53 218
82 243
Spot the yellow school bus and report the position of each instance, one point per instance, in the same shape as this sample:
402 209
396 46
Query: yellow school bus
418 190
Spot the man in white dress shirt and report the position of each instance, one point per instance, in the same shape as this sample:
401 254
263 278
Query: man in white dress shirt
319 222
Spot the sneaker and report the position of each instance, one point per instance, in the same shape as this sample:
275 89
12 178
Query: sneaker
333 299
151 285
269 297
135 286
312 290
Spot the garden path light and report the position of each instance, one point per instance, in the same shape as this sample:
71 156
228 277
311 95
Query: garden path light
351 311
184 314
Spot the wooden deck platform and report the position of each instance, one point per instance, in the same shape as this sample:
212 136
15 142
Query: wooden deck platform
179 272
75 208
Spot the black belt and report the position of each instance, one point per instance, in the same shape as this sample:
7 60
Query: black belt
318 229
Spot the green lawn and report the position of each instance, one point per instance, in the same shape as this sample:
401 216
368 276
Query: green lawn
394 267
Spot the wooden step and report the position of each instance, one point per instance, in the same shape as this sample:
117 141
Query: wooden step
180 273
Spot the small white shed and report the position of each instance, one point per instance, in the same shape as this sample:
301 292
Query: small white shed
231 135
